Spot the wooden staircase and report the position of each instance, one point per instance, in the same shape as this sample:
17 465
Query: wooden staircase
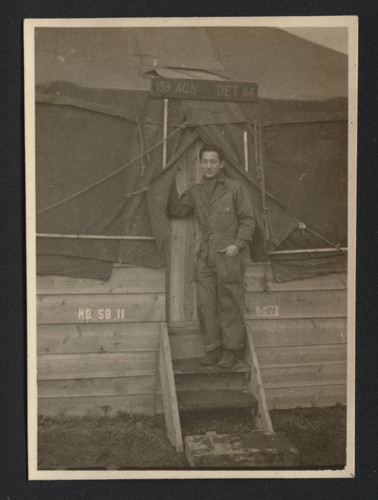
188 385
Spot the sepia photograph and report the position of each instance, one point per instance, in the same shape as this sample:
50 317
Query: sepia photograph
190 220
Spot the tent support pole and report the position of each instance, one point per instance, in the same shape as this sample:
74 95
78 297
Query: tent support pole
245 143
165 132
93 236
309 250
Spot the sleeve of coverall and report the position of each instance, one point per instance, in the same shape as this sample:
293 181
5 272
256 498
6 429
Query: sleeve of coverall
179 206
246 218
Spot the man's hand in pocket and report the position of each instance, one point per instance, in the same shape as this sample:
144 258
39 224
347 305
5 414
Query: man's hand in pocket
230 251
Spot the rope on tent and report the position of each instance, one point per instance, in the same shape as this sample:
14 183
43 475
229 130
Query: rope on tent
142 143
74 195
129 195
302 226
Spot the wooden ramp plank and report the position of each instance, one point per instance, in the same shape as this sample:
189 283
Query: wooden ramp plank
196 400
255 385
168 388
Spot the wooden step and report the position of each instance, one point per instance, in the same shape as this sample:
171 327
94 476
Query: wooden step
193 366
196 400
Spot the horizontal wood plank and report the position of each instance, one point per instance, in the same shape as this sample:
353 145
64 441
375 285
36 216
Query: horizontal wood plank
305 397
100 329
225 381
77 366
298 304
309 374
71 343
269 356
112 386
97 405
100 308
123 280
301 331
259 277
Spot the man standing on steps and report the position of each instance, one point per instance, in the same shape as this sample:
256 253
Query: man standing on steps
225 217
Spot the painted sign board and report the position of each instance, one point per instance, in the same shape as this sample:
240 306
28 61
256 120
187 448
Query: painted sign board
100 314
267 311
210 90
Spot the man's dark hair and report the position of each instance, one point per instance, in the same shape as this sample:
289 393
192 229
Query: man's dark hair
212 147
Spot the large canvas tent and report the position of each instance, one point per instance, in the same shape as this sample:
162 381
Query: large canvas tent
103 177
99 142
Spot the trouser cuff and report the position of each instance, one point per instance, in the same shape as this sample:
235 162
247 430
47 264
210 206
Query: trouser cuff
233 347
211 347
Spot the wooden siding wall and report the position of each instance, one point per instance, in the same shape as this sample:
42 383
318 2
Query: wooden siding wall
301 352
98 342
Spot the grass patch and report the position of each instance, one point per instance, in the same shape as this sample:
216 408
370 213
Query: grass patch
140 442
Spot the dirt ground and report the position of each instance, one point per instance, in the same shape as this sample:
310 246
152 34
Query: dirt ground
139 442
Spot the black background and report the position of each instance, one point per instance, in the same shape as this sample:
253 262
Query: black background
13 443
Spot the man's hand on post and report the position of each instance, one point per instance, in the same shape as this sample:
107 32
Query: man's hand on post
230 251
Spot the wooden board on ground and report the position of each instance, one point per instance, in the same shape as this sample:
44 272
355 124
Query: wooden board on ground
168 389
255 385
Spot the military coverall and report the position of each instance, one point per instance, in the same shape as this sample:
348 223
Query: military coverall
224 219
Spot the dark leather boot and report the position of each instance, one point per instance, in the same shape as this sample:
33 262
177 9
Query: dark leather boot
227 359
212 357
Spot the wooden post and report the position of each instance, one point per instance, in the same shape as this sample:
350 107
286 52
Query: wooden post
165 133
245 143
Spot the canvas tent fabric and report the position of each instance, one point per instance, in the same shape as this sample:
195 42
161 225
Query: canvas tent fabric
85 134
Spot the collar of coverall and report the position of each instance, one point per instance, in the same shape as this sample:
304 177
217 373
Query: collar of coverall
221 178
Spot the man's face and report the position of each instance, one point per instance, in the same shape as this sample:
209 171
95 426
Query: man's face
210 164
